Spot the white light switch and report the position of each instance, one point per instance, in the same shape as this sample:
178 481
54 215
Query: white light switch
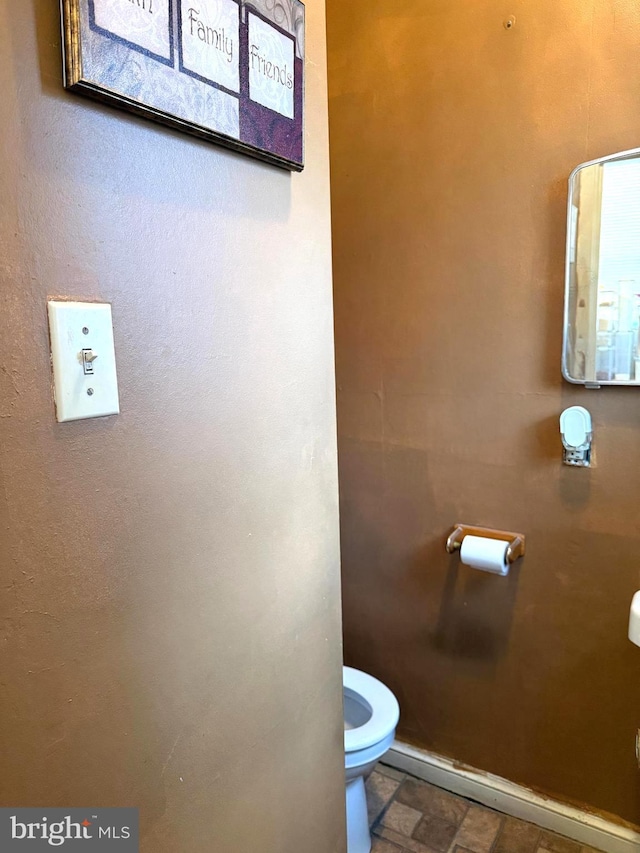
84 360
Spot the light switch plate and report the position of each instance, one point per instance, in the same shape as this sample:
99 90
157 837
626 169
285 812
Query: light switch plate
85 386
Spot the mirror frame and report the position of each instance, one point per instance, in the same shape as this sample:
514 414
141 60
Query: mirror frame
631 154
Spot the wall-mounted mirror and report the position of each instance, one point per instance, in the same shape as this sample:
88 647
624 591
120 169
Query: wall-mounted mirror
602 290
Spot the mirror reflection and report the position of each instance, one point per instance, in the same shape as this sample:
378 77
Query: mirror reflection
602 299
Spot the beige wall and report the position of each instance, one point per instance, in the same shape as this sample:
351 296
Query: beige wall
170 626
451 141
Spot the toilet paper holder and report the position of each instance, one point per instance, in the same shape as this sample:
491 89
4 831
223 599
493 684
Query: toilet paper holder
516 540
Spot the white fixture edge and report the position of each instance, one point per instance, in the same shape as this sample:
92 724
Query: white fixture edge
512 799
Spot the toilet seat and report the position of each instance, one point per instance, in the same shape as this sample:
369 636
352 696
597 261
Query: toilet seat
379 700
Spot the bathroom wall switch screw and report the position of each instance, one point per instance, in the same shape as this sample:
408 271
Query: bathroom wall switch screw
90 392
85 330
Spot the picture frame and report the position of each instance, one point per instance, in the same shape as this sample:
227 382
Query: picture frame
227 71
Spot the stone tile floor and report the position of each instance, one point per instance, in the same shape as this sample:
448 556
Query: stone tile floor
410 816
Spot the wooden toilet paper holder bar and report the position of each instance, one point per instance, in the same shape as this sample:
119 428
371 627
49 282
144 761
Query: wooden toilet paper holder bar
516 540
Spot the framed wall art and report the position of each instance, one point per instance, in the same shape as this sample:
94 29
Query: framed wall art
230 71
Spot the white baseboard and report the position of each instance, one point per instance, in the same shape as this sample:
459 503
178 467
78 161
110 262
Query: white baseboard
514 800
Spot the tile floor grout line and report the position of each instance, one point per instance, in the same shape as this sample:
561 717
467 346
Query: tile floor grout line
503 823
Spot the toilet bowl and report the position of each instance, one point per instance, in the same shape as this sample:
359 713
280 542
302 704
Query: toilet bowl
371 714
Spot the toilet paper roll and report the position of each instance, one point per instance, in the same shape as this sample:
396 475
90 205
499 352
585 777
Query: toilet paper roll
488 555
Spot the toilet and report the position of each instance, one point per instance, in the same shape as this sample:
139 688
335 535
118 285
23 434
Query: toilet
371 714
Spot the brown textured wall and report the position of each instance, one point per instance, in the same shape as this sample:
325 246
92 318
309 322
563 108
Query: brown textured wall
170 620
451 143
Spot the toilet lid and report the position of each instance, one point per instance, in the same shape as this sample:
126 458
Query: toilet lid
374 695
